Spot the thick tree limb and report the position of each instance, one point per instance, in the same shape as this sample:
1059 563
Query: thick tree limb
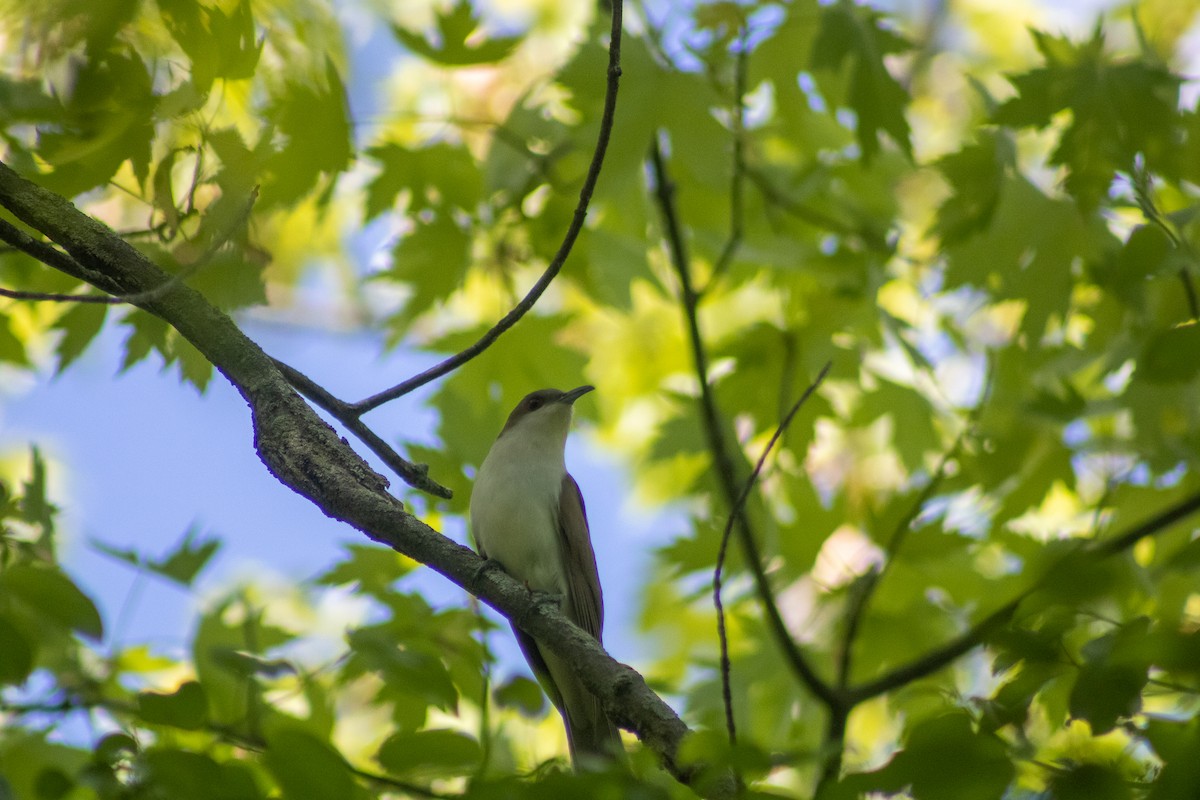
305 454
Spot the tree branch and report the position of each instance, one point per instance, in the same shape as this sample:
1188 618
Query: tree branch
738 508
305 454
711 419
974 636
560 258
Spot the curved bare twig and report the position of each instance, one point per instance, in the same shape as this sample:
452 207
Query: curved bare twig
560 258
738 508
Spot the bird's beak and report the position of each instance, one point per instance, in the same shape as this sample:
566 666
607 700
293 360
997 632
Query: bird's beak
573 395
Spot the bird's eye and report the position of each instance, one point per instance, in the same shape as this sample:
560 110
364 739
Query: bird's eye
535 403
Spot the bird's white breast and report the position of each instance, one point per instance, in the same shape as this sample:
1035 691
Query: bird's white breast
514 509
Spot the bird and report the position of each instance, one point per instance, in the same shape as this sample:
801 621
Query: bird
528 515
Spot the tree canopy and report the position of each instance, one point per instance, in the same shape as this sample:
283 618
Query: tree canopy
897 306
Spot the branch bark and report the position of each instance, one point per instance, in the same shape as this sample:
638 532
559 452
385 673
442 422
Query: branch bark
305 454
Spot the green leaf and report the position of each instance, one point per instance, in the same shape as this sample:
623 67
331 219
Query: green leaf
432 260
439 173
1090 782
193 366
408 673
186 707
430 754
976 175
183 775
51 784
454 45
315 122
219 44
12 349
35 507
1171 356
1120 110
16 654
1176 743
374 569
50 595
147 332
851 39
523 694
944 759
79 324
308 768
187 560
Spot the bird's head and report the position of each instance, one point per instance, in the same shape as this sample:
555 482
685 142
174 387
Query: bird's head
545 413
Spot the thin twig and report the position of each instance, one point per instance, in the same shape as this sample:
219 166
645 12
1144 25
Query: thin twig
739 507
415 475
711 418
737 189
43 252
560 258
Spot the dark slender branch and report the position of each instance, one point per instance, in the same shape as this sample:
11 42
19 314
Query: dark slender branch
53 297
1152 526
560 258
739 508
415 475
737 191
975 635
940 657
711 418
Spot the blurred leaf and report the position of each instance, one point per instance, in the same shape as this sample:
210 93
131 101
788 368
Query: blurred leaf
454 45
1170 356
1090 782
372 568
433 176
432 260
185 708
308 768
16 654
189 557
853 34
12 349
944 759
79 324
314 120
49 595
183 775
522 694
1119 110
430 754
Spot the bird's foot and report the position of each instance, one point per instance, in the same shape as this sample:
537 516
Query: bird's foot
486 566
541 598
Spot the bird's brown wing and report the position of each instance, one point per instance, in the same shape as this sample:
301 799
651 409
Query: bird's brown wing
585 603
